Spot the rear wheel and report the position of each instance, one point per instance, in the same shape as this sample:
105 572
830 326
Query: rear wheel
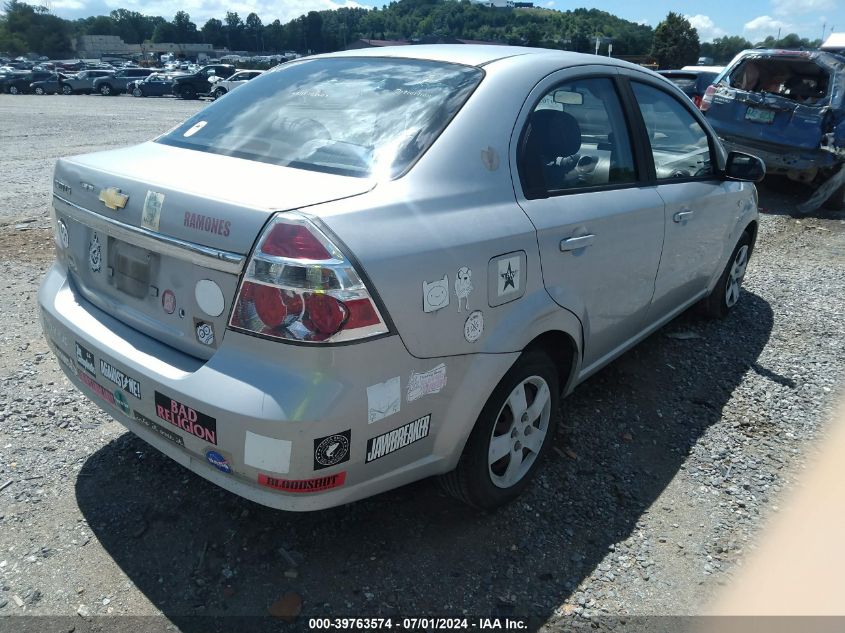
67 90
511 435
39 90
106 90
725 295
136 92
188 92
13 90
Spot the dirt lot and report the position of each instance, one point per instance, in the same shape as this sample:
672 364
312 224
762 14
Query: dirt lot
666 464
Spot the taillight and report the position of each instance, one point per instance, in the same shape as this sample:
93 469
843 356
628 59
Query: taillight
707 99
696 99
298 286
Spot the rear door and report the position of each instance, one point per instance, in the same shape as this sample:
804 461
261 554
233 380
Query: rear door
599 225
701 207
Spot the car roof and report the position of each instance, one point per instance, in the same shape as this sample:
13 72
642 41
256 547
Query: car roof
476 54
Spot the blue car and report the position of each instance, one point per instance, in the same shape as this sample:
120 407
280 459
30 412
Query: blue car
156 85
787 108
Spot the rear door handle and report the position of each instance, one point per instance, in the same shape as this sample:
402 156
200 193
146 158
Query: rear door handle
574 243
683 216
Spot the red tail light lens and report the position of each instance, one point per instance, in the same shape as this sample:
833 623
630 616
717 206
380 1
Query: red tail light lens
707 99
298 286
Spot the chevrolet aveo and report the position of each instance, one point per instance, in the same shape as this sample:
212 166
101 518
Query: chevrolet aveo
366 268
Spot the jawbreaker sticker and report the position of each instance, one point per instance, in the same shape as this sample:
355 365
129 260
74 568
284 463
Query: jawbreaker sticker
381 445
95 254
432 381
151 214
332 450
127 383
194 422
303 485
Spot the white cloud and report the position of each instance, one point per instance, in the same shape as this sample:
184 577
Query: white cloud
787 7
707 29
201 10
765 25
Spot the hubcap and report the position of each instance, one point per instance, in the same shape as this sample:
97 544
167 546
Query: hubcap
519 432
13 90
736 275
66 90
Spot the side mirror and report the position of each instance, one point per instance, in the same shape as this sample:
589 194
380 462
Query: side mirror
744 167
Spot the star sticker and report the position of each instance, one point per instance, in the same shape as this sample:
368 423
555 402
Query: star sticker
508 276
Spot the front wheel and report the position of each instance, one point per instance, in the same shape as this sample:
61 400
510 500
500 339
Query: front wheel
39 90
136 92
105 90
511 435
13 90
725 295
67 90
218 93
188 92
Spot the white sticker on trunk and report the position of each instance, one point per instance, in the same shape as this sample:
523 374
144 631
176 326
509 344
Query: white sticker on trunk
463 286
267 453
432 381
151 213
436 294
474 327
383 399
509 276
95 254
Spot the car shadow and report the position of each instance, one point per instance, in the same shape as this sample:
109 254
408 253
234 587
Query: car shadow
780 196
199 553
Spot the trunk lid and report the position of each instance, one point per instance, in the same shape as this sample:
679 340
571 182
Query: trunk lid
158 236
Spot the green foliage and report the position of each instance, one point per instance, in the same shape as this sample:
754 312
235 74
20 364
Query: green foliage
724 49
675 42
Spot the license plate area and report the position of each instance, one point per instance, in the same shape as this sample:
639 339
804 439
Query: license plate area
758 115
133 268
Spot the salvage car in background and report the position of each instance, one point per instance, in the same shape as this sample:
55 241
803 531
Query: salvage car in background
156 85
50 86
693 83
222 85
19 83
115 83
199 83
540 212
83 81
787 108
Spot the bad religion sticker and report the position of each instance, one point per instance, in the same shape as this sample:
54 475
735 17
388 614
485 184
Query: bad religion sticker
189 420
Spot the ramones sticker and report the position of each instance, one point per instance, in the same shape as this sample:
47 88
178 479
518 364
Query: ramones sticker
332 450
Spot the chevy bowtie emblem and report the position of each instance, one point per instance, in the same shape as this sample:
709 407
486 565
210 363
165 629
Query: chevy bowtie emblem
113 198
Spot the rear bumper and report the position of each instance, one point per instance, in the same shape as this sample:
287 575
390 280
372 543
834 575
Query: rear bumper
265 400
781 159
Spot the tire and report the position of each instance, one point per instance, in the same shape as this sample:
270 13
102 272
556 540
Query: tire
515 443
39 90
13 90
67 90
836 201
218 93
136 92
188 92
725 295
106 90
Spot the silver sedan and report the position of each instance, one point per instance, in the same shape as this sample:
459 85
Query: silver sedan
366 268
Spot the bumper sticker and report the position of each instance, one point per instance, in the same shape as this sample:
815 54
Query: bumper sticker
332 449
474 326
155 426
435 294
96 387
383 399
62 356
151 214
303 485
190 420
219 461
463 286
127 383
267 453
121 402
392 441
429 382
85 359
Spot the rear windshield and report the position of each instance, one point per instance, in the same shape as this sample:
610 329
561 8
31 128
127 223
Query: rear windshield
362 117
797 79
684 82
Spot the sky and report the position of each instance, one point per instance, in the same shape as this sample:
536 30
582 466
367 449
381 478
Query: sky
753 19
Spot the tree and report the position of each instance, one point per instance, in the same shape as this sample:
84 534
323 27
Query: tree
212 33
184 30
724 49
234 30
675 42
254 27
164 32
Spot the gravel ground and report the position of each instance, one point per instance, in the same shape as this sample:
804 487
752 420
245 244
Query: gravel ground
666 465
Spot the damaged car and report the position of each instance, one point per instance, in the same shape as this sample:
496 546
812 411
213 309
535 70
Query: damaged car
786 107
